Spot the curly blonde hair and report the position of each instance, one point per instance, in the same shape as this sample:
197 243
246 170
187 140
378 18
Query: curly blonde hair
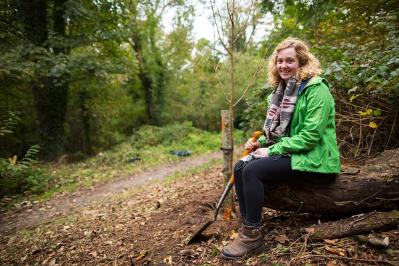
309 66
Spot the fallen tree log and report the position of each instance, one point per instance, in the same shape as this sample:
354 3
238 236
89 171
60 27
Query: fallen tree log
357 224
374 186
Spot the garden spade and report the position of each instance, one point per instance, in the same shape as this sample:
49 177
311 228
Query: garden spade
197 235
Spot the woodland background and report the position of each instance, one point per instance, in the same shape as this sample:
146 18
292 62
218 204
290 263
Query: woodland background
81 78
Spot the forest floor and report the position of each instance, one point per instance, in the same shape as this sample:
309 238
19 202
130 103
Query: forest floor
28 214
147 222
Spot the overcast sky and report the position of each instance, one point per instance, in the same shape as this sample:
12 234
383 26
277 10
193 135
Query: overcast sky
203 23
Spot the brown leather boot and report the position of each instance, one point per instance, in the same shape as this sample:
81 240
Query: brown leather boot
249 242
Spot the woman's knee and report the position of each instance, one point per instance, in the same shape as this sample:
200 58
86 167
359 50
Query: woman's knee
250 168
239 166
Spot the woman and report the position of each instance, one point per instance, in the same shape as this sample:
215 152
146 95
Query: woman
299 139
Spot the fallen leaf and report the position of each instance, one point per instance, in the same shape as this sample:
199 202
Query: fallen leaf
332 263
310 230
373 124
378 240
186 252
141 255
46 260
234 235
338 251
281 238
168 260
330 241
94 254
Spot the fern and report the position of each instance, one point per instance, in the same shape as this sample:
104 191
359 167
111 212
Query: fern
30 157
19 175
8 124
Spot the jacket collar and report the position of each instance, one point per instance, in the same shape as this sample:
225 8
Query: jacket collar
310 82
317 80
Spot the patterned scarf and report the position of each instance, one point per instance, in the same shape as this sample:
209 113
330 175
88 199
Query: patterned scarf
280 110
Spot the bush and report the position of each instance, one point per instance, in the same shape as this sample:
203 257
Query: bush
22 176
18 176
166 135
180 136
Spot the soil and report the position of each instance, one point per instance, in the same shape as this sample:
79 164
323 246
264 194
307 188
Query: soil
150 224
29 215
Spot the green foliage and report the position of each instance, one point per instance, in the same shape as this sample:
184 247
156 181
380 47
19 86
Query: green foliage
200 93
99 101
363 69
176 136
8 123
357 44
121 71
150 146
254 114
368 62
18 176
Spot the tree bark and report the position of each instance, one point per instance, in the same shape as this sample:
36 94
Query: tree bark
374 186
354 225
227 148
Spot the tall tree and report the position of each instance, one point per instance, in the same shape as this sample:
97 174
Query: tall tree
50 91
231 29
152 69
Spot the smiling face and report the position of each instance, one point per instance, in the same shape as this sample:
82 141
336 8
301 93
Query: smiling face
287 63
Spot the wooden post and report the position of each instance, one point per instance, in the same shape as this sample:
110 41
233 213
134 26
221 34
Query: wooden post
227 148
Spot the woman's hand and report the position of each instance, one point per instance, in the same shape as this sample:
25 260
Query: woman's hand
251 145
261 153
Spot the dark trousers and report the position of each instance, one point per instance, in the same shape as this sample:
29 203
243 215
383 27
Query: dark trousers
252 177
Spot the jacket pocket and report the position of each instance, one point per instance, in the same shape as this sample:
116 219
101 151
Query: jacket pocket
314 159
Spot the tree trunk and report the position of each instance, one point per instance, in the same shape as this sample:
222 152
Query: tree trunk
50 103
152 73
50 93
84 113
143 75
374 186
227 149
354 225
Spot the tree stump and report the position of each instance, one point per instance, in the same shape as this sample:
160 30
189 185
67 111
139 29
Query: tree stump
374 186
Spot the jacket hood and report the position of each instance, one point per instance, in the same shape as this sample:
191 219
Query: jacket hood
316 81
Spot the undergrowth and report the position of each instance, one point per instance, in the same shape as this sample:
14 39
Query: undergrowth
148 147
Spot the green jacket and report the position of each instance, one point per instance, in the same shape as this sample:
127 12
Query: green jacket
312 141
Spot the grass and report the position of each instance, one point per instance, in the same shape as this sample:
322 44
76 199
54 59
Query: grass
151 144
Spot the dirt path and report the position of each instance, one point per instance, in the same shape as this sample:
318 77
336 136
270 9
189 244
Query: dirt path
62 205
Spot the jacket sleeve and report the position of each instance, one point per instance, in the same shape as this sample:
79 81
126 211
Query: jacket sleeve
318 109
